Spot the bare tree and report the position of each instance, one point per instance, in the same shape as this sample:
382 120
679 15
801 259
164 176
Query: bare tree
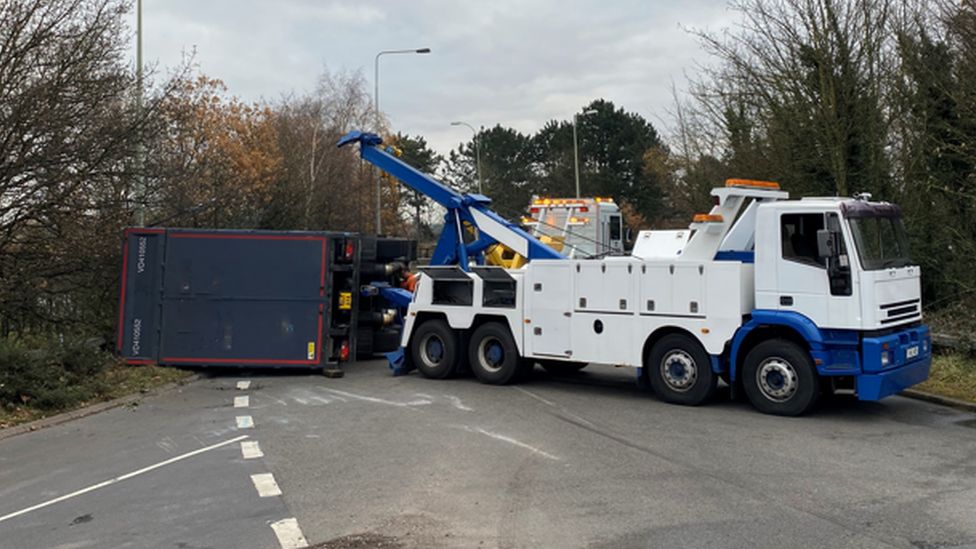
68 127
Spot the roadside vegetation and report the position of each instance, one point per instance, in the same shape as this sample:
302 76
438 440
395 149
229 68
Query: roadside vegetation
38 379
954 365
953 375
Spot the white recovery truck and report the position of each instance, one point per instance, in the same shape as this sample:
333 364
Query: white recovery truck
782 298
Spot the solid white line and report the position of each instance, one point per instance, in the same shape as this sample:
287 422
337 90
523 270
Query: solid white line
245 422
251 450
415 402
243 385
242 401
289 534
510 440
554 405
265 484
535 396
121 478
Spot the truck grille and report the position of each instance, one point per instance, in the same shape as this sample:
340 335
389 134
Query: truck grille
901 310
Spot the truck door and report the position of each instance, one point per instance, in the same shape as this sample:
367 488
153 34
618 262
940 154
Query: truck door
548 311
803 282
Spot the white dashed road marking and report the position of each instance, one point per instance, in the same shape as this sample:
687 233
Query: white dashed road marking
118 479
251 450
266 485
289 534
287 531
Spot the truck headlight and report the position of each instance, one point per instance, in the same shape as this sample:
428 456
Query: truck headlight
885 358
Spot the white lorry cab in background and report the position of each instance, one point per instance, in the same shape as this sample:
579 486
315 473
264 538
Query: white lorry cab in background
783 299
579 227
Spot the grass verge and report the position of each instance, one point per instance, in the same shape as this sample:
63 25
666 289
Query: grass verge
114 381
953 375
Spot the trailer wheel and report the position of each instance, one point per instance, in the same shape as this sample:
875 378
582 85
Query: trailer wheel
562 368
435 349
680 370
492 354
779 378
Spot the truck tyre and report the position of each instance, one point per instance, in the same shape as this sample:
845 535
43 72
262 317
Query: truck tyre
680 371
779 378
435 349
562 368
492 354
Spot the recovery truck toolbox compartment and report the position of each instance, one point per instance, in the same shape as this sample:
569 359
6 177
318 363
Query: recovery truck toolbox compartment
256 298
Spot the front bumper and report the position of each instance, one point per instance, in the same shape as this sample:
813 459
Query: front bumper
881 365
879 385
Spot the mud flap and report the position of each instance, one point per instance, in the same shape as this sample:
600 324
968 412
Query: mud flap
399 362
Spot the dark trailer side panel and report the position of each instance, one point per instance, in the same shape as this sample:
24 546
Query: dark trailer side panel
240 298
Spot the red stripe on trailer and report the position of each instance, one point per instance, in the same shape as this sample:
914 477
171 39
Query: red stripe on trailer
247 236
125 275
318 348
237 360
318 345
140 361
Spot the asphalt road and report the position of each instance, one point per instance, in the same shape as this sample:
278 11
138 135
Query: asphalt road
574 461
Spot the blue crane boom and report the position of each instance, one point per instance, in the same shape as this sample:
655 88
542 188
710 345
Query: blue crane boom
470 209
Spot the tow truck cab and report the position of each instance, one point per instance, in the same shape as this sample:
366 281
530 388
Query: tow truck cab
838 272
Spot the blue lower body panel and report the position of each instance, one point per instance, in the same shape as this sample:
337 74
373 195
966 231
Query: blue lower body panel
880 385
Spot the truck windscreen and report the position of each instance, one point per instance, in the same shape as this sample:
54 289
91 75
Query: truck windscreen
881 242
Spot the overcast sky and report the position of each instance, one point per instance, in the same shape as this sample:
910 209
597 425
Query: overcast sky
515 63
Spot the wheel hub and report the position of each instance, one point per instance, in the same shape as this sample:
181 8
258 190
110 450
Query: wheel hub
679 370
433 350
491 354
777 380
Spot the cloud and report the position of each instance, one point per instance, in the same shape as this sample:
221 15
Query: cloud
514 63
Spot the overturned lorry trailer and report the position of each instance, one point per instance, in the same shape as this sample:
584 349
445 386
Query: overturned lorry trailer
257 298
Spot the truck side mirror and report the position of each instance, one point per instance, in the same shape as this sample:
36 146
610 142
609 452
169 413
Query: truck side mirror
825 243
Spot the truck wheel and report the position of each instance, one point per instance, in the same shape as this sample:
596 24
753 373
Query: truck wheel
779 378
492 354
680 370
559 367
434 349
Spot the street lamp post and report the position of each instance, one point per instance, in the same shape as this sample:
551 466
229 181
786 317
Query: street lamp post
376 113
576 146
477 148
140 194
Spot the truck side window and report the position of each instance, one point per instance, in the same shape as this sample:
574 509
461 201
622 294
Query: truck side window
615 230
799 237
